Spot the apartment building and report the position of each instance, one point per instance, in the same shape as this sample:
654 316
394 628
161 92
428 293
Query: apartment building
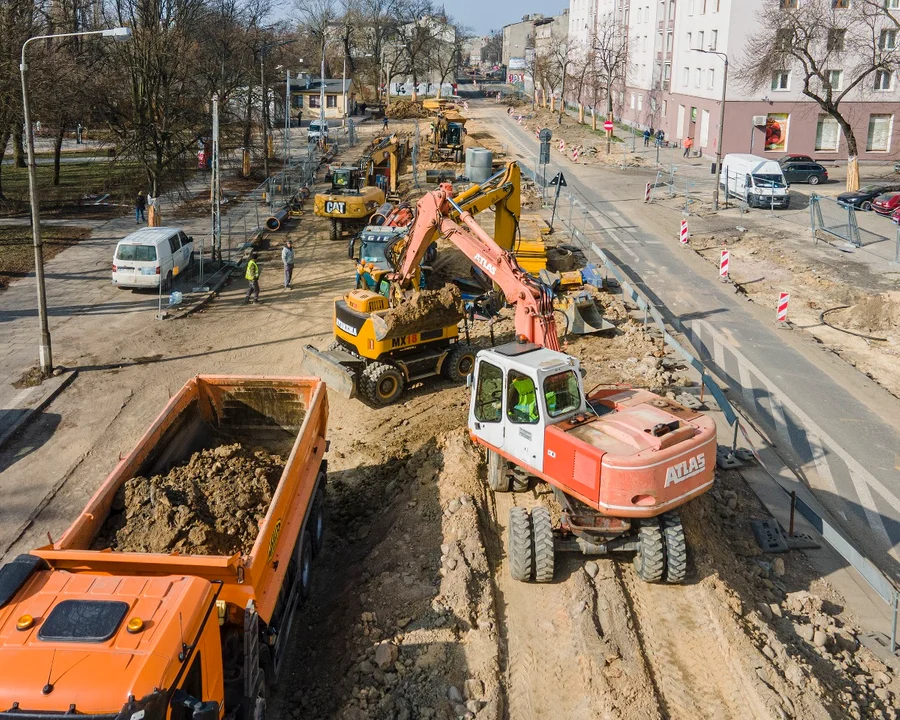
670 84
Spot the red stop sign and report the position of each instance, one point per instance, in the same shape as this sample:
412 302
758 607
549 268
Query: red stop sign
608 126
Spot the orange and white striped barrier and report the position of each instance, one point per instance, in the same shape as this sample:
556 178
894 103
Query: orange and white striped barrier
783 300
466 105
723 265
684 237
562 146
575 154
647 193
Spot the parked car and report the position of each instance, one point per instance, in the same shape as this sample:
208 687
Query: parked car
808 172
151 256
794 158
317 128
895 216
862 199
757 181
887 203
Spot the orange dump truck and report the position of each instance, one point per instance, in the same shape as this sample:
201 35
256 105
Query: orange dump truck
112 635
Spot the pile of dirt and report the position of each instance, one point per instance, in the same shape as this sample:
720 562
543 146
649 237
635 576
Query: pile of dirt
405 109
212 505
873 313
425 310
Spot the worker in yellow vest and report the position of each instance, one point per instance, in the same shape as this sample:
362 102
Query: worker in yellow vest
252 277
524 403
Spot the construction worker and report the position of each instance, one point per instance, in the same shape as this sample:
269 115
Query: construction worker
252 277
287 258
523 401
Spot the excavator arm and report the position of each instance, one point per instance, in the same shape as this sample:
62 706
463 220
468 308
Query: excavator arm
502 190
532 299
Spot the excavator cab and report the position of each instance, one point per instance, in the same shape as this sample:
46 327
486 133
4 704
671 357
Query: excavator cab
345 179
454 134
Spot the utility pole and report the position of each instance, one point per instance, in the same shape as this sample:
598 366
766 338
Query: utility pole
264 92
287 118
721 124
216 185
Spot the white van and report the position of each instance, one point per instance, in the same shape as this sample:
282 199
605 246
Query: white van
757 181
316 129
151 255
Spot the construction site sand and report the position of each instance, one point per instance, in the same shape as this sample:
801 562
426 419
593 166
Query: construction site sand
425 309
212 505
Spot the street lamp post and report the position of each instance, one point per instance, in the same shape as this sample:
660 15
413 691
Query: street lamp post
721 124
45 353
262 79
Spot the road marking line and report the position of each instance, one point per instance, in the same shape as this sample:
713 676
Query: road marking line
746 383
809 424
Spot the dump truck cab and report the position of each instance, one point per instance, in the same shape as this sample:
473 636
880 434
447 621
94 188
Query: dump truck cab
376 245
108 647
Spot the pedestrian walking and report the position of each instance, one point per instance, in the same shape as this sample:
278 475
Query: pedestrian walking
287 257
647 138
140 208
78 131
660 136
384 123
252 277
688 144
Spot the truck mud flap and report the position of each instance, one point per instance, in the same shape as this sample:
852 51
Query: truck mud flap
333 367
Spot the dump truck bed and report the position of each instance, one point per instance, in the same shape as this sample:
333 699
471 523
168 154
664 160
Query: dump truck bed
283 416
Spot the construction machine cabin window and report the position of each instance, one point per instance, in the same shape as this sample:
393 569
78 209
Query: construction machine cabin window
489 393
521 399
83 621
561 393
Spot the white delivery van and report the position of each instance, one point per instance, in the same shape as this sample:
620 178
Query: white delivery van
152 255
757 181
317 128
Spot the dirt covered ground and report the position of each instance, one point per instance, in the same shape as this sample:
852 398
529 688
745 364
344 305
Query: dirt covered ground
833 298
211 505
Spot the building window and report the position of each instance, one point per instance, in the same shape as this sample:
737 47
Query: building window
644 43
667 71
669 38
331 101
314 101
672 10
640 102
788 4
689 39
879 137
703 8
783 39
828 134
883 80
713 39
781 80
840 4
698 77
686 77
711 79
836 79
888 39
633 99
700 40
891 4
690 7
836 38
665 107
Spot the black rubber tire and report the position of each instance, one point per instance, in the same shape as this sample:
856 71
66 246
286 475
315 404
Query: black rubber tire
542 536
866 206
333 233
813 180
676 548
459 363
382 384
650 561
304 564
521 560
519 483
498 479
316 524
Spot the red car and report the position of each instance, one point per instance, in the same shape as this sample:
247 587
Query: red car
895 216
887 203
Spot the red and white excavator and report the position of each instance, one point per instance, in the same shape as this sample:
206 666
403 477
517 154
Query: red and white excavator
620 461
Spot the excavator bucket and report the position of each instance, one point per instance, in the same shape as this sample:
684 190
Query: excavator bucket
425 310
334 367
583 316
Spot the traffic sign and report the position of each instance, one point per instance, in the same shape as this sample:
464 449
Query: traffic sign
559 179
546 135
608 126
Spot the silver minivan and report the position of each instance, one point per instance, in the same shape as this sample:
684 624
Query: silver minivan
151 256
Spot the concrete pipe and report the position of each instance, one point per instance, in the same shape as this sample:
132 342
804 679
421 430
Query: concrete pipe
479 164
275 221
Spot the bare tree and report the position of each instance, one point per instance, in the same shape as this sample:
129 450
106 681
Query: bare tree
547 72
18 19
416 36
833 55
447 53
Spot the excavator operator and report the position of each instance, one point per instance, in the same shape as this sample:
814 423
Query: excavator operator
522 406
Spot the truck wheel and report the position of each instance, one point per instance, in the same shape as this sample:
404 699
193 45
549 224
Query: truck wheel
167 284
333 230
382 384
542 532
460 361
305 564
650 559
676 548
521 561
497 477
317 522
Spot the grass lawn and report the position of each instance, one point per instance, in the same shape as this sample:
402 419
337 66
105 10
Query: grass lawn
17 250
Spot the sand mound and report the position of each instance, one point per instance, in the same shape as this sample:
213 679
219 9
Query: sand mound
874 313
213 505
404 109
425 310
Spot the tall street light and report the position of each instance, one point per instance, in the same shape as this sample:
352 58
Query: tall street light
721 124
325 42
264 93
45 353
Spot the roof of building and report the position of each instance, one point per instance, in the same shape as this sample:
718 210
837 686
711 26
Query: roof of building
315 85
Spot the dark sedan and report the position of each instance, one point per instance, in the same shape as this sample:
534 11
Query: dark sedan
784 159
804 172
862 199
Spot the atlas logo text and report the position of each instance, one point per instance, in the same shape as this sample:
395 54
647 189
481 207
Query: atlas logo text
490 267
685 470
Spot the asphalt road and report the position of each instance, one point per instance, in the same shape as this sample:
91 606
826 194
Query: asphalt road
831 424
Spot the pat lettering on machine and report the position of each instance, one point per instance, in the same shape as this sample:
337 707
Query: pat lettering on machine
335 206
685 469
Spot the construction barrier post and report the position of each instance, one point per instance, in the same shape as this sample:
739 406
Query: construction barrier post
684 231
647 193
783 300
723 265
